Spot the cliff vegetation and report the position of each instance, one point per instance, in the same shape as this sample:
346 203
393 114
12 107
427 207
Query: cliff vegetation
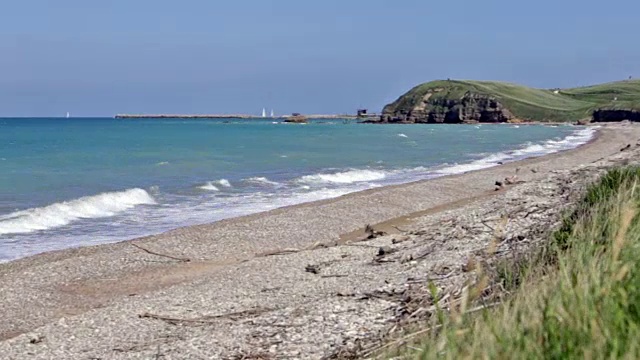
459 101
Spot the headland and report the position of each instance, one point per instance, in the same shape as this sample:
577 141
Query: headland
470 101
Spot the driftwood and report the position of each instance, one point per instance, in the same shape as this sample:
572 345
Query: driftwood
204 319
399 229
159 254
361 245
378 294
172 320
483 222
373 233
278 252
411 336
536 210
400 239
382 260
424 253
314 269
400 341
432 278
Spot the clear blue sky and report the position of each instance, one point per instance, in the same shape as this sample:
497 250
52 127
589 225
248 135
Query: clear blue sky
97 58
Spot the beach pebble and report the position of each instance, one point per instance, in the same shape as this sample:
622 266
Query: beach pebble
385 250
35 338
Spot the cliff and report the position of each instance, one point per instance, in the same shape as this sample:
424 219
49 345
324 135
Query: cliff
456 101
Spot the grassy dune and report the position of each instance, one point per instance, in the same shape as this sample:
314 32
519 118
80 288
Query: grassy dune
579 299
533 104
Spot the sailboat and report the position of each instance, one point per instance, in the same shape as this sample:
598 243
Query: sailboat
264 112
68 115
272 113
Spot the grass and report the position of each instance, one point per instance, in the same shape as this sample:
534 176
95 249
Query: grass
580 299
533 104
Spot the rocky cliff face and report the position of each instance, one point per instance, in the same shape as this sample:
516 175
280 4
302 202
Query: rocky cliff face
435 108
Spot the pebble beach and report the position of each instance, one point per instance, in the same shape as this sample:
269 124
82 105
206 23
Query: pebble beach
307 281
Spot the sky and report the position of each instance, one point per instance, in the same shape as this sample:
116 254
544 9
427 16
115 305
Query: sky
99 58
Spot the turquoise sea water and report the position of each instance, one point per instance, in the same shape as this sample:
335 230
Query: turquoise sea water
71 182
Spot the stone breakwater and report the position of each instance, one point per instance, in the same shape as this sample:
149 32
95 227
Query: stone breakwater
284 284
184 116
227 116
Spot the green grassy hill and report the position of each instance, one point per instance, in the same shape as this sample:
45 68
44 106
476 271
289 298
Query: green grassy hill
528 103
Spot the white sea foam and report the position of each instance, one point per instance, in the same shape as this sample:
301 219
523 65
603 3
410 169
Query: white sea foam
127 224
579 137
63 213
209 186
346 177
403 135
261 181
162 163
550 146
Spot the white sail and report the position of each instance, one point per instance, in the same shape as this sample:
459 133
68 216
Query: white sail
264 112
68 115
272 113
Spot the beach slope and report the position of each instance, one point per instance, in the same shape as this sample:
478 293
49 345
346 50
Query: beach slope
297 282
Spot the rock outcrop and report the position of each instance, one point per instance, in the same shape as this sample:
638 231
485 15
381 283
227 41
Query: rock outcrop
433 107
612 115
296 118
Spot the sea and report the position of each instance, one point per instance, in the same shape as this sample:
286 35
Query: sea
74 182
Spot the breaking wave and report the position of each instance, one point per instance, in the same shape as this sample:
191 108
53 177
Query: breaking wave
579 137
209 186
262 181
345 177
63 213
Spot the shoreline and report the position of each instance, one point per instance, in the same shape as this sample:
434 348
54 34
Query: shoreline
257 263
383 188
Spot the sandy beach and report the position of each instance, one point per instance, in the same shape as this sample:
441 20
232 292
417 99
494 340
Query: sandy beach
296 282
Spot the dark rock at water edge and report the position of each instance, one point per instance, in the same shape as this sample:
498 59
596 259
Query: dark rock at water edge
614 115
296 118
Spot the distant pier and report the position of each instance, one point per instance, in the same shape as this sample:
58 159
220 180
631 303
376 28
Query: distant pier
234 116
185 116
